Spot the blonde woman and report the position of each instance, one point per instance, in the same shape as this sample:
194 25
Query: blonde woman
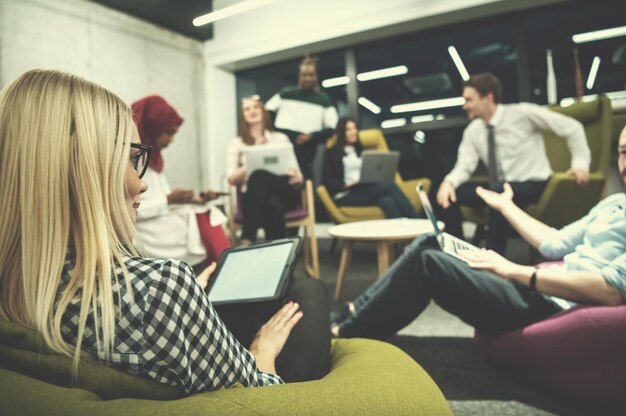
70 185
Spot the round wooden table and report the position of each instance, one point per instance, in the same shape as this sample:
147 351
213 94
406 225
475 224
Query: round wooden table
384 232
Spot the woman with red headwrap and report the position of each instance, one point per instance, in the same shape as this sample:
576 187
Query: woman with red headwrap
162 225
175 223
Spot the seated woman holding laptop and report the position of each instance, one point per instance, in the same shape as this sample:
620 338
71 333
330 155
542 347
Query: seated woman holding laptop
70 185
342 171
265 196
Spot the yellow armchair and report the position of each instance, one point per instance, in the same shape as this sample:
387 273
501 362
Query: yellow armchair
371 139
562 202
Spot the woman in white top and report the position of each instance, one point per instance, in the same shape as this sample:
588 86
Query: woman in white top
173 223
342 171
264 196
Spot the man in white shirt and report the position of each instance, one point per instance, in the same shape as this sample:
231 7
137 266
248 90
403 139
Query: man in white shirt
507 139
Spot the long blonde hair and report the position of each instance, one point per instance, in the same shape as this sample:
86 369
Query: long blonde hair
64 149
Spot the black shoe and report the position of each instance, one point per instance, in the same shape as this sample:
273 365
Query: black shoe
345 311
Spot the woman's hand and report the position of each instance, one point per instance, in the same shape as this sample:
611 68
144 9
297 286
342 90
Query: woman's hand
495 200
238 176
209 195
350 184
205 275
180 196
295 177
271 337
491 261
303 138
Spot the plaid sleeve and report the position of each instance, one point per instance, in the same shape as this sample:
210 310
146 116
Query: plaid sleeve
186 344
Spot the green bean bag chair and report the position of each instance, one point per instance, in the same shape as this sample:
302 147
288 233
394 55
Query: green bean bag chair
366 378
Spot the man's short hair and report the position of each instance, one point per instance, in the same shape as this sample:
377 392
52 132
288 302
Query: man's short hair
309 60
485 83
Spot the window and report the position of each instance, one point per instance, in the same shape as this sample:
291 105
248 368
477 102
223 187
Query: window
268 80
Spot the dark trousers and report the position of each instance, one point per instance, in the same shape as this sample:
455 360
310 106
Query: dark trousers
498 228
423 273
264 204
306 354
386 195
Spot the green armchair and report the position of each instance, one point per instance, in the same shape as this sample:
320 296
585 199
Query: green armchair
562 202
366 378
371 139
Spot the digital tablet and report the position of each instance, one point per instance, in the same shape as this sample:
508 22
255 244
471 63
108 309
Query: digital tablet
259 272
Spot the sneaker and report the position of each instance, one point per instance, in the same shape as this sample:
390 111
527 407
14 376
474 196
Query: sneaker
345 311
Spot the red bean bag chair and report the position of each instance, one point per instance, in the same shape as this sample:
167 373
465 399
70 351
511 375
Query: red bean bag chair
579 352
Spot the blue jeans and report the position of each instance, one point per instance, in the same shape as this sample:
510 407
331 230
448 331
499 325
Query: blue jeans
498 228
386 195
423 273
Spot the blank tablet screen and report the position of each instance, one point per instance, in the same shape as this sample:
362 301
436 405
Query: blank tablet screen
252 273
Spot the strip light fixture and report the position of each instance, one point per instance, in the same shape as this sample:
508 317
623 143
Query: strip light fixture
423 118
383 73
460 66
393 122
335 82
428 105
244 6
613 32
591 79
369 105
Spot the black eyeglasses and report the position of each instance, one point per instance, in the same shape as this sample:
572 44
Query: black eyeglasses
141 158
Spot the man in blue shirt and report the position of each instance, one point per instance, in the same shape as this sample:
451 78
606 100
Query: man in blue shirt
493 294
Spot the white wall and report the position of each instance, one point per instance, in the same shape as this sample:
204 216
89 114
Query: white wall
127 55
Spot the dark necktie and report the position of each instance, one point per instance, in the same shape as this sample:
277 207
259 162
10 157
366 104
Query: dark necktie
493 163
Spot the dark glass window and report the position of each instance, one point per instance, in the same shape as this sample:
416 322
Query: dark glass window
431 73
552 28
268 80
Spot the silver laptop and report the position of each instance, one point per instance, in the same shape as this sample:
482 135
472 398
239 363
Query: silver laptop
379 166
278 159
448 243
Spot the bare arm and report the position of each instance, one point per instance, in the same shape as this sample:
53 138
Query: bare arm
531 230
580 286
576 285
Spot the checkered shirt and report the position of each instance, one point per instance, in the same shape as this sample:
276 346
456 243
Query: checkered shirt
167 330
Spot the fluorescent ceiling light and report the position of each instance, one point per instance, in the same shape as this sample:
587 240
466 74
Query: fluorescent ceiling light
458 62
599 34
591 79
422 118
334 82
229 11
369 105
394 122
428 105
383 73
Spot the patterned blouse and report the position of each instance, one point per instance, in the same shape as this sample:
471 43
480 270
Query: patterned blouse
167 330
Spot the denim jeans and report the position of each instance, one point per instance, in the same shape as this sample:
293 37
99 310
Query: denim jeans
386 195
423 273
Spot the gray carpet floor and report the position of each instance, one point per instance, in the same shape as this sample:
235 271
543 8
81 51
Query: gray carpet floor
443 346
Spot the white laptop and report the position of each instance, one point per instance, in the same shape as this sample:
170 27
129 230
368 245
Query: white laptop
448 243
379 166
278 159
